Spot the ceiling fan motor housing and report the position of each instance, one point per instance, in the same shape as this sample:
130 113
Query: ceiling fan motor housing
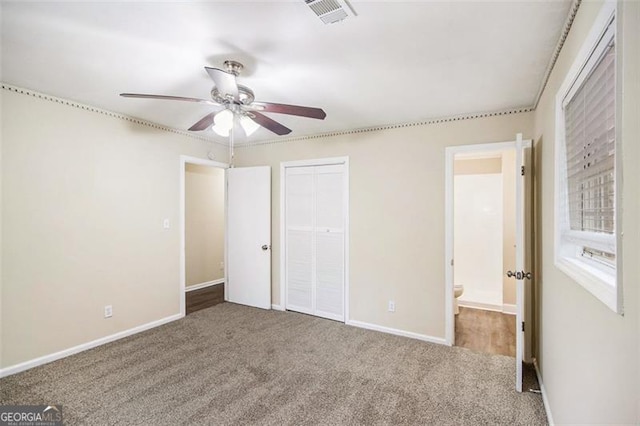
245 96
234 67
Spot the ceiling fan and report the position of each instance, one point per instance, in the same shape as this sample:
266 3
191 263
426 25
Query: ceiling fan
237 110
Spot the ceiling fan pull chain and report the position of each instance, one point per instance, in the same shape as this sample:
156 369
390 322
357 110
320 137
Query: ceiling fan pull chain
232 133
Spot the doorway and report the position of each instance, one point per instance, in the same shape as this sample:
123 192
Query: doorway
204 236
203 225
519 270
484 247
247 234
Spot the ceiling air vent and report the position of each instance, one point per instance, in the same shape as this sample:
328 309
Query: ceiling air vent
330 11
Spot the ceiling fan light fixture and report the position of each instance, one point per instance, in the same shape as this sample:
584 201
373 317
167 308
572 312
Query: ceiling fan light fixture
248 125
223 122
220 131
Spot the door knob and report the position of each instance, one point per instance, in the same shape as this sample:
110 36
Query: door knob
266 247
519 275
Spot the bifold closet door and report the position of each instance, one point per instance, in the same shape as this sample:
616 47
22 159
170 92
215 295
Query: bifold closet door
315 227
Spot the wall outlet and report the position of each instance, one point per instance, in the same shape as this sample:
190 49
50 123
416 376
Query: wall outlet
392 306
108 311
166 224
221 265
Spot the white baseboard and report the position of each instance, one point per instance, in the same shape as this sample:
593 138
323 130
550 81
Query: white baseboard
509 309
203 285
505 308
277 307
23 366
545 400
480 305
410 334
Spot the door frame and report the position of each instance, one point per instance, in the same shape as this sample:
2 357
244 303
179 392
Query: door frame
184 160
283 264
450 153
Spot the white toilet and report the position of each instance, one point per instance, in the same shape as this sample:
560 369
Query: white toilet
458 289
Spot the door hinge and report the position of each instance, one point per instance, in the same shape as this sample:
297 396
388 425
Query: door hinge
522 325
522 170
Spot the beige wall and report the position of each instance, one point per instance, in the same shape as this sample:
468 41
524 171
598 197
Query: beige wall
84 196
396 212
589 355
204 223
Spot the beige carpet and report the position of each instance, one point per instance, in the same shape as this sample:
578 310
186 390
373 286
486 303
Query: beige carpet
231 364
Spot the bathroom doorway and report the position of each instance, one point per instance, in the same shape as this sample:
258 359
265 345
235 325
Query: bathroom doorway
486 298
484 247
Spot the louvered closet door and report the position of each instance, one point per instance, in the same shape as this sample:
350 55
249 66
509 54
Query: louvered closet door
315 228
299 234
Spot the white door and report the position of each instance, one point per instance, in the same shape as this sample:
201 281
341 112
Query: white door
524 307
314 246
249 236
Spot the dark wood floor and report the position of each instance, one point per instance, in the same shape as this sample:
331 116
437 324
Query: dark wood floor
486 331
204 298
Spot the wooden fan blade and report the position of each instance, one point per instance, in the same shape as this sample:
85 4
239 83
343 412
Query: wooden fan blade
204 123
167 98
269 124
301 111
224 81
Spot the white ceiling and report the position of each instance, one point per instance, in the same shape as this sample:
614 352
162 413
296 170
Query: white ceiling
395 62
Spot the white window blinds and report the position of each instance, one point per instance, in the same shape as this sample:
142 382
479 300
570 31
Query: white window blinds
587 190
590 149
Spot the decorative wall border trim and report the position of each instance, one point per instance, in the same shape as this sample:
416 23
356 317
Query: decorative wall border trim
391 126
563 37
78 105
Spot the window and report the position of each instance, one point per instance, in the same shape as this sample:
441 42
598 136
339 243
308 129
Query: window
586 170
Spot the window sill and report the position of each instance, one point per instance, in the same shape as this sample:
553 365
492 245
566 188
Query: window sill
600 284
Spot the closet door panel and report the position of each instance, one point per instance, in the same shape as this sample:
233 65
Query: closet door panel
329 230
299 198
329 197
300 271
330 275
299 233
